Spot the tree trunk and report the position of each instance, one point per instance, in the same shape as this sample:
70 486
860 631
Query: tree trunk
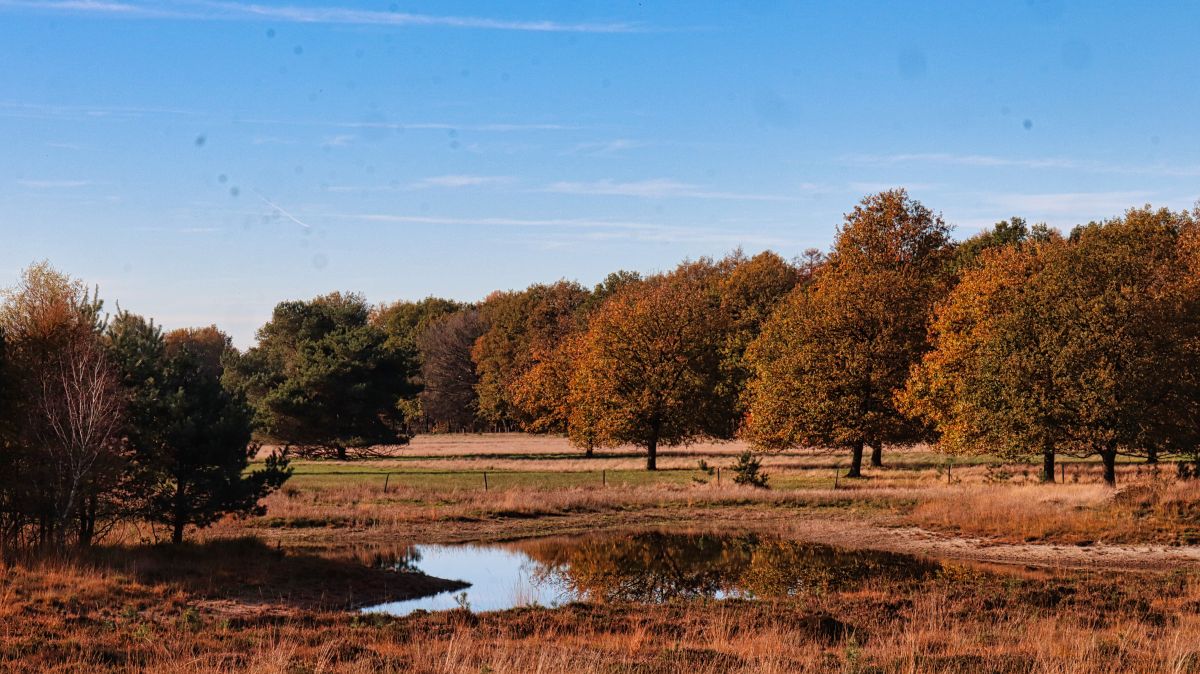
83 529
88 530
179 510
652 446
341 453
1152 455
856 460
1048 464
1109 456
877 455
590 450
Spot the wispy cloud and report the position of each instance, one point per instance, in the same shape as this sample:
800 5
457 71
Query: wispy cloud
202 10
1035 163
658 188
37 110
583 229
417 126
433 182
53 184
272 140
1082 204
486 127
606 147
179 230
340 140
452 181
871 187
84 6
80 112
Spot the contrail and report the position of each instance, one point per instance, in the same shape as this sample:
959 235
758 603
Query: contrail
279 208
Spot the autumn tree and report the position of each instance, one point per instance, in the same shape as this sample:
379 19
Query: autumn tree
500 354
1128 320
1012 232
750 290
650 362
809 263
524 330
321 379
1082 346
829 361
988 384
612 284
543 391
402 323
66 455
448 397
10 518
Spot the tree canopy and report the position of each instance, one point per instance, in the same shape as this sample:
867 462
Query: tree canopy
1084 346
449 400
204 435
322 380
523 330
829 361
649 367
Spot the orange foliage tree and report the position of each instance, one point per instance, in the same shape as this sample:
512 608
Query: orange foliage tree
829 361
1086 346
649 367
523 329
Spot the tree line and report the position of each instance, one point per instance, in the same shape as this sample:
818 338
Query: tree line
1021 341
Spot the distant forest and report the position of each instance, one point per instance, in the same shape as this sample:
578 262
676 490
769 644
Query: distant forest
1021 342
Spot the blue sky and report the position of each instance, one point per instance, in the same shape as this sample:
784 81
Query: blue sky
203 160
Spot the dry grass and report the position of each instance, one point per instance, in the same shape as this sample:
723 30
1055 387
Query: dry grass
245 606
64 616
1148 511
521 452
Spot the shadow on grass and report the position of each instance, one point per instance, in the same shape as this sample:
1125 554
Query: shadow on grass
247 571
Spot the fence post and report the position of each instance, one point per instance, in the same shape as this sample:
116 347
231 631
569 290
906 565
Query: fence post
604 478
385 482
718 476
1064 473
485 484
835 477
949 465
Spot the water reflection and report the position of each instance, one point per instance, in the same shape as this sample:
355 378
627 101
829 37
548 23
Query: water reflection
655 567
501 577
646 567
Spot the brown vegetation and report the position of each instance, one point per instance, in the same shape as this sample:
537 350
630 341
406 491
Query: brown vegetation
287 605
75 617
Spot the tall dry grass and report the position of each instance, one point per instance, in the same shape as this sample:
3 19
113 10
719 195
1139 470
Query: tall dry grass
73 617
1149 511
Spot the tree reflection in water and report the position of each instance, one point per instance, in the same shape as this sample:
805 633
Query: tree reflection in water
656 566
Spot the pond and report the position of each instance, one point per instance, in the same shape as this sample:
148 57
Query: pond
646 567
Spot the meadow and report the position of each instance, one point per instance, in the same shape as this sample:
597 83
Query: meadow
1066 577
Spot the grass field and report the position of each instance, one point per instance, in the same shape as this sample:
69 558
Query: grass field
1070 577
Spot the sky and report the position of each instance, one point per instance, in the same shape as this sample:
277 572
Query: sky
201 160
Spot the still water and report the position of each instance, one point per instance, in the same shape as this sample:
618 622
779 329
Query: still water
647 567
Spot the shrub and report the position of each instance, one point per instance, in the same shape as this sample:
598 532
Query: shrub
748 471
